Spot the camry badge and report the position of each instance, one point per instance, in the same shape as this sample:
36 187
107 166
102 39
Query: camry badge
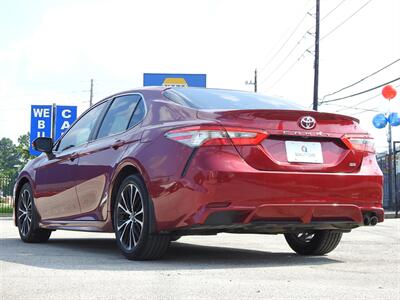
307 122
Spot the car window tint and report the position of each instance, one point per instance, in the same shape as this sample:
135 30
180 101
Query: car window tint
118 116
138 115
80 132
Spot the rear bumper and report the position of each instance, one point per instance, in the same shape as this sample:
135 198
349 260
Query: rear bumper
220 191
281 218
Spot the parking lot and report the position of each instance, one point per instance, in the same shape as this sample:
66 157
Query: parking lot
76 265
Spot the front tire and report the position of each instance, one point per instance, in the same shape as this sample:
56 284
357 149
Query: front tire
132 220
313 243
28 219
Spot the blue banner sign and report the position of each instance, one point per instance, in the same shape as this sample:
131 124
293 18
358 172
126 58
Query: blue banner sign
42 122
65 116
41 116
177 80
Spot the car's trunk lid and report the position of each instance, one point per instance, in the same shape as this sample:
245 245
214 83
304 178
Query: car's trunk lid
291 147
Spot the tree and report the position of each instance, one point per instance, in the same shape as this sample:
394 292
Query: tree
9 157
14 157
23 149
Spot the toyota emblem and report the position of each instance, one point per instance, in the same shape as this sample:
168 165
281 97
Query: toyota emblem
307 122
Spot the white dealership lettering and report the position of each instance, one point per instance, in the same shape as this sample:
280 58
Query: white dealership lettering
66 113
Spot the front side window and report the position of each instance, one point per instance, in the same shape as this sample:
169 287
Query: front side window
119 115
80 132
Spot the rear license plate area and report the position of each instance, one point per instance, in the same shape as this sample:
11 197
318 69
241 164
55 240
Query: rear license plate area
304 152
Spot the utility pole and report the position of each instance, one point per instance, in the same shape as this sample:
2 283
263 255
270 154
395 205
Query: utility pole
53 121
316 56
390 163
91 93
253 82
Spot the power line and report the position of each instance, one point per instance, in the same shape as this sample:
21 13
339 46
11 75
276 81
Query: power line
285 42
361 102
362 79
360 93
308 49
283 60
345 20
332 10
288 69
342 23
363 110
371 110
294 48
351 107
327 15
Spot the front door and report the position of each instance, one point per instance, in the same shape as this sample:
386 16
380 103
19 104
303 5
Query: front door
56 177
55 187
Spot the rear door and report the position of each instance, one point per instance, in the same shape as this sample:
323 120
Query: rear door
99 158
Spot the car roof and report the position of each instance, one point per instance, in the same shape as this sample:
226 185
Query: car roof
160 89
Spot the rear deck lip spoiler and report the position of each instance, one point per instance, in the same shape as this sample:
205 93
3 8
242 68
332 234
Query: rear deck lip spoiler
312 113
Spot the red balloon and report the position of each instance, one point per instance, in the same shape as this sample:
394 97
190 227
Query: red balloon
389 92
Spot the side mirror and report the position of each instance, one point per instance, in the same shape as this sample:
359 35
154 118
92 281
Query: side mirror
43 144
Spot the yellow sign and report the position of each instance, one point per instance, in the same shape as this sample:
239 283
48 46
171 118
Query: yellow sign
175 82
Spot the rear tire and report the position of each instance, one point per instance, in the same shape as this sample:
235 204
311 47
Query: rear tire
28 219
313 243
132 222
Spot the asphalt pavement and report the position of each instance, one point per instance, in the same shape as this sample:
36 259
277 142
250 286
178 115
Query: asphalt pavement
80 265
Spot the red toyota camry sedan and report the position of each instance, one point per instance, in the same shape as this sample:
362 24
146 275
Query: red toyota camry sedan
155 164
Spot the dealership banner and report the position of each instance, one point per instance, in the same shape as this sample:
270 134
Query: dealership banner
65 116
44 125
173 79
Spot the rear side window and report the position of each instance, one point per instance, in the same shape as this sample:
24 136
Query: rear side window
138 114
219 99
119 115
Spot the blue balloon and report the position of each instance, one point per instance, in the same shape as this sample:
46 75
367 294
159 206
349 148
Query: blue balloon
394 119
379 121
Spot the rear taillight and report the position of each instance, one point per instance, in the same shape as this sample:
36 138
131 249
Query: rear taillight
365 143
208 135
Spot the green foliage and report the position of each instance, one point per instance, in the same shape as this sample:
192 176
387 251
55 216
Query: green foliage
9 160
5 208
14 157
23 149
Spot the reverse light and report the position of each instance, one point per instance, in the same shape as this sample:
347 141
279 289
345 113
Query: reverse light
365 144
208 135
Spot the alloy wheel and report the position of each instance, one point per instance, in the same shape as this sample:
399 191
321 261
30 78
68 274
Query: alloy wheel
25 212
305 237
130 216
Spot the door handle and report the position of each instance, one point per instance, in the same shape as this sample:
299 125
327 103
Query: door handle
73 156
117 144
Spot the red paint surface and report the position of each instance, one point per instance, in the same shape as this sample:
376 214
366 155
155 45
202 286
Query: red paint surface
257 180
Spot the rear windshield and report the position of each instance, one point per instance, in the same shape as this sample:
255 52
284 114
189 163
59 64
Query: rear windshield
218 99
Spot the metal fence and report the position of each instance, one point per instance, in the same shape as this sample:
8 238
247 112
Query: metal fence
396 151
6 194
383 162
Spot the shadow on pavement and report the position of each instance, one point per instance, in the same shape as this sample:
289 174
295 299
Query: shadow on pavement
103 254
